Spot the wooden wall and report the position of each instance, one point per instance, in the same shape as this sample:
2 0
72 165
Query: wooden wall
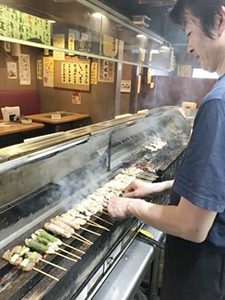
171 90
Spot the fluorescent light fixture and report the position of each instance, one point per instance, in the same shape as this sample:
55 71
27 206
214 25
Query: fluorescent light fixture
155 51
97 15
141 36
52 21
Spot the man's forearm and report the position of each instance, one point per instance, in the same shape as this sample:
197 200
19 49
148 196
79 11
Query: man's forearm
163 187
160 217
169 219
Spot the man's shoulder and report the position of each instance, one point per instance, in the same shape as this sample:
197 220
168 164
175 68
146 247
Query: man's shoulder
218 91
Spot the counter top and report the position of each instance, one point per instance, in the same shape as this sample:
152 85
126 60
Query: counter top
10 128
65 117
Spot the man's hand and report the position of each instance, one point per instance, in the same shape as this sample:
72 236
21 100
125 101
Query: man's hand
118 207
141 189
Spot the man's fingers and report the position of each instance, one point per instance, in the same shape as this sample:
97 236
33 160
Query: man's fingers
132 194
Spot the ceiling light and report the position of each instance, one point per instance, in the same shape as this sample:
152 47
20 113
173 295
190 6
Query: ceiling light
97 15
141 36
52 21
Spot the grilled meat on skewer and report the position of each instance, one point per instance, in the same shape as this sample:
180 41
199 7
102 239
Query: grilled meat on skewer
57 230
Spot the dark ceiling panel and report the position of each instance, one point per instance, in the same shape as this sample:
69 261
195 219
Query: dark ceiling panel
157 2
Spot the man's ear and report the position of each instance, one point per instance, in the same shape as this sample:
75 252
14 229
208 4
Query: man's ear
220 21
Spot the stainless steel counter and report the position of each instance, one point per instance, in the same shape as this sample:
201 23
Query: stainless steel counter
124 280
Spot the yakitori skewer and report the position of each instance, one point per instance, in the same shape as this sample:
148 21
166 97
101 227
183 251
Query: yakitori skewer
28 265
19 251
58 221
60 231
45 249
25 264
33 255
51 238
88 210
46 242
69 220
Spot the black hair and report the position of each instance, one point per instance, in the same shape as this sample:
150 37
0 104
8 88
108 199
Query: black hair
203 10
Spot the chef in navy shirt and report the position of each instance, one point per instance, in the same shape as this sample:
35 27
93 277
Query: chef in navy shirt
194 265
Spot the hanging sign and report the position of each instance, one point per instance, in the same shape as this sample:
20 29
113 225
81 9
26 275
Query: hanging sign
12 70
59 42
39 69
105 71
25 72
48 71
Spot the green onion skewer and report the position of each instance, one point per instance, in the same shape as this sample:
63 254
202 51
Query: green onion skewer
31 256
55 246
51 238
45 249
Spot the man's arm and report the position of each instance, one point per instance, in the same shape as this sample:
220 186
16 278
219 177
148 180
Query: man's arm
186 220
140 189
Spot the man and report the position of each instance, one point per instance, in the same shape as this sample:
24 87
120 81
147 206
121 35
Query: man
194 267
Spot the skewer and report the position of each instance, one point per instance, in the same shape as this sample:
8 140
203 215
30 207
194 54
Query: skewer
97 217
46 274
67 252
54 265
76 249
46 249
57 253
54 245
81 238
90 223
104 213
85 229
95 223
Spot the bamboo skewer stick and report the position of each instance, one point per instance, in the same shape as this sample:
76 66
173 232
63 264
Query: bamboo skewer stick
103 220
67 252
75 249
90 223
104 213
81 238
65 256
85 229
54 265
46 274
95 223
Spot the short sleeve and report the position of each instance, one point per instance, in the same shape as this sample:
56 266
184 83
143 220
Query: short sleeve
201 177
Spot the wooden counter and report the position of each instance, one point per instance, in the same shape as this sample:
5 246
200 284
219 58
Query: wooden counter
68 120
15 133
6 129
66 117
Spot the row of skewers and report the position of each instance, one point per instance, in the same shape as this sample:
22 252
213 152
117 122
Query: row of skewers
44 242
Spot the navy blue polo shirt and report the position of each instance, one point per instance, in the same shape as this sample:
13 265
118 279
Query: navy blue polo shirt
201 176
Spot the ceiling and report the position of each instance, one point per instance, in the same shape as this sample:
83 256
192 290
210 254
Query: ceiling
156 10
